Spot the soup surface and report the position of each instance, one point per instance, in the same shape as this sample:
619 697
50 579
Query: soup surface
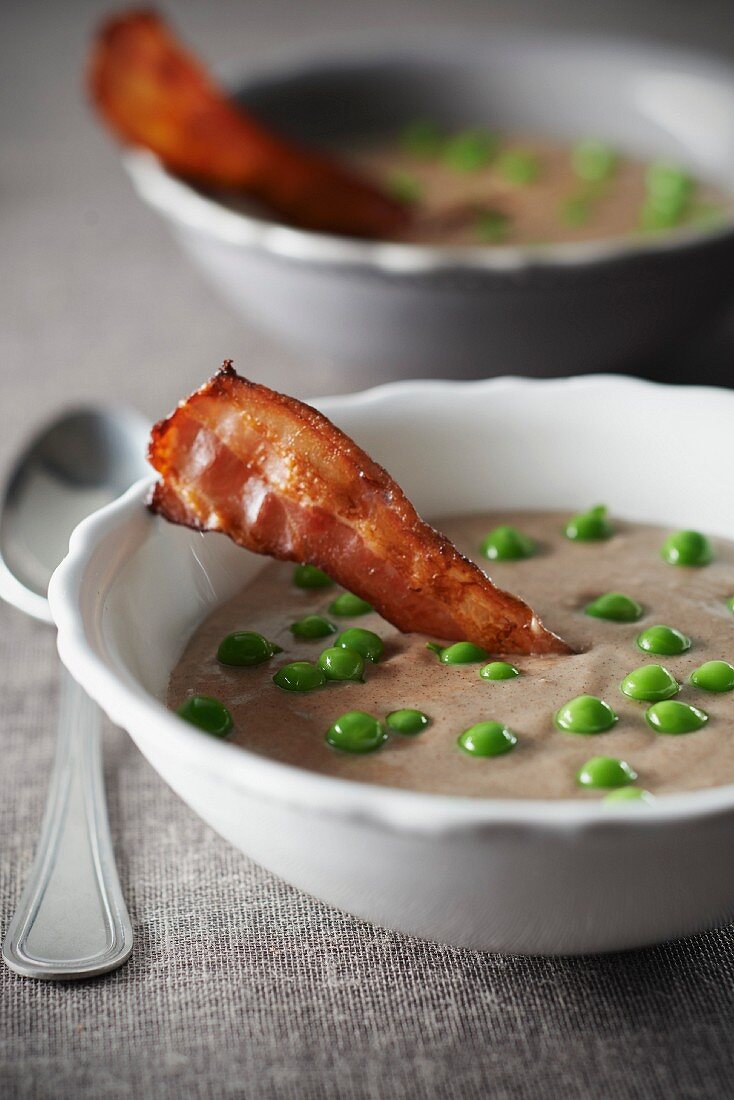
475 187
559 580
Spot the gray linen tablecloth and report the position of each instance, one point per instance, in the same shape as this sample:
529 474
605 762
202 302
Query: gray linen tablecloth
239 985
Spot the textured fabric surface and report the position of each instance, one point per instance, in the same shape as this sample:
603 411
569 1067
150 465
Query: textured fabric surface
239 986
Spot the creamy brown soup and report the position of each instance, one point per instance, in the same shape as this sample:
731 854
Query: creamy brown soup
558 582
495 203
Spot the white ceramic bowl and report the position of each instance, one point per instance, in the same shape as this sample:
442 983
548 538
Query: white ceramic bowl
417 311
513 876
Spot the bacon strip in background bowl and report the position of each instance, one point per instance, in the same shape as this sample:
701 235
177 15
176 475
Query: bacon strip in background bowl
151 92
280 479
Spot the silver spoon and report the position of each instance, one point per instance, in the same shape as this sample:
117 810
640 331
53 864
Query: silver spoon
71 921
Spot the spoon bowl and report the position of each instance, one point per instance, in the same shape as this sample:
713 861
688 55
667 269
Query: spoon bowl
72 466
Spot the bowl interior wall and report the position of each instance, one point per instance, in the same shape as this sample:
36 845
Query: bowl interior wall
649 102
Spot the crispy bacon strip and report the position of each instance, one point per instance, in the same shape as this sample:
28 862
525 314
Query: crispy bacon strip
280 479
152 93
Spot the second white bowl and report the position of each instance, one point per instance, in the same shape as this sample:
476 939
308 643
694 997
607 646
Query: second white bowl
422 310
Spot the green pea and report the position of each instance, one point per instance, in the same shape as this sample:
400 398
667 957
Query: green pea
487 739
365 642
208 714
245 648
730 603
506 543
714 676
628 794
492 226
575 210
422 138
407 721
470 150
356 731
341 664
672 716
650 683
348 606
662 212
498 670
605 772
590 526
312 626
687 548
585 714
665 640
519 167
299 676
616 607
308 576
405 188
462 653
668 181
594 161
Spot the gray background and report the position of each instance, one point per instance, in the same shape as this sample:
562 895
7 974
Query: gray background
238 985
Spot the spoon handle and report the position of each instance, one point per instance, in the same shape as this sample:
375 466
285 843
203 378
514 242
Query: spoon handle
71 921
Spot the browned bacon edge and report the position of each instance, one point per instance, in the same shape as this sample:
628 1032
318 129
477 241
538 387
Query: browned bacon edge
279 478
